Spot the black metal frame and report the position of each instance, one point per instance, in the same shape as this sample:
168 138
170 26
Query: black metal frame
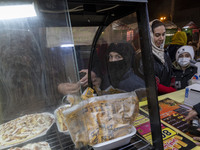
147 58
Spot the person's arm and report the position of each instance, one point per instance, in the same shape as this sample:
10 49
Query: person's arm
197 139
164 89
193 112
197 109
68 88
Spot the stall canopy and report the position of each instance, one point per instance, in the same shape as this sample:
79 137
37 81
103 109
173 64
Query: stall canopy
190 25
170 25
192 31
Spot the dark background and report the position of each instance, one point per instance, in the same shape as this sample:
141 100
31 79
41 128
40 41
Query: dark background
184 11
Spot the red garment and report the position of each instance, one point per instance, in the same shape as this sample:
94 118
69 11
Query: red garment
164 89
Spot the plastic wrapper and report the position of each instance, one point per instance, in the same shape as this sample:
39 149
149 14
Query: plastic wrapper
60 119
88 93
101 118
141 94
112 90
71 99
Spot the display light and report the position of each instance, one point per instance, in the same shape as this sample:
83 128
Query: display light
17 11
162 18
67 45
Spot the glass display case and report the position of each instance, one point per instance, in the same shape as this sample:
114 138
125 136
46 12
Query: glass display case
53 41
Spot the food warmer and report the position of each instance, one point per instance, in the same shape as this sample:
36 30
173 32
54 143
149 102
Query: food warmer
61 37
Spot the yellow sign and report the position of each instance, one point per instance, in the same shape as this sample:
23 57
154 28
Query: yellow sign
167 133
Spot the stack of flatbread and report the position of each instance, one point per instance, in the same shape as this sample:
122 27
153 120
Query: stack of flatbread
34 146
24 128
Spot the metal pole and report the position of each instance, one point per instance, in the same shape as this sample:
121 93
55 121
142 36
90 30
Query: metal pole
148 66
172 10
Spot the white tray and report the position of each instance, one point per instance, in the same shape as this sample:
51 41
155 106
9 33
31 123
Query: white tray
120 141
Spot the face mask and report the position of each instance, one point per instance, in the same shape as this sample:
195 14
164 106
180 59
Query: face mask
116 71
184 61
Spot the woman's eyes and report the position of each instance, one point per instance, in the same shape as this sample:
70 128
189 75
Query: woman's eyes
187 55
158 34
181 56
118 57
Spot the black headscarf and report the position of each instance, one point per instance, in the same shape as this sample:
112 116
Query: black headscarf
117 69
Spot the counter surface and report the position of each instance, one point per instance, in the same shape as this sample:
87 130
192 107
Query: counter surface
174 127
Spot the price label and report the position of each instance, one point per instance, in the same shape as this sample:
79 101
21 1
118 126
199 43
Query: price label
167 133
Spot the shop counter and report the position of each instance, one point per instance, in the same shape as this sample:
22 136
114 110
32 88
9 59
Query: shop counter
174 127
177 96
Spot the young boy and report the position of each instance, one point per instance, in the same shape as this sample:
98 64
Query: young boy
182 68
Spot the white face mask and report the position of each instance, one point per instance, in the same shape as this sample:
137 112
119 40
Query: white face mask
184 61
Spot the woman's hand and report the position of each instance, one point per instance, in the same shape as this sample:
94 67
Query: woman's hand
96 81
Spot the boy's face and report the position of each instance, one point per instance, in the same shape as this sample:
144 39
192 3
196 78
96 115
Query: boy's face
185 54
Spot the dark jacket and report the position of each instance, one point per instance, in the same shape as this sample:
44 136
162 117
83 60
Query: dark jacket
129 82
197 109
172 48
182 77
163 71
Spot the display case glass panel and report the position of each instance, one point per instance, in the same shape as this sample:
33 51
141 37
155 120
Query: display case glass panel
37 53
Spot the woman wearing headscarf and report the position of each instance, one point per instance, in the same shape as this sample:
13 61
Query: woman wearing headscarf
120 72
179 39
162 61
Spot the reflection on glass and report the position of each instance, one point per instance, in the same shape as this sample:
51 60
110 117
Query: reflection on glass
116 51
34 60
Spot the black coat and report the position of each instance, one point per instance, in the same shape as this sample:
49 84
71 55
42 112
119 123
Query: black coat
197 109
182 77
163 71
172 48
129 82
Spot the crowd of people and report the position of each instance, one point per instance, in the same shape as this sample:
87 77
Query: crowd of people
172 65
175 64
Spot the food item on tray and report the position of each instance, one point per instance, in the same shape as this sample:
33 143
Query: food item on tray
73 99
102 118
112 90
24 128
60 118
34 146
